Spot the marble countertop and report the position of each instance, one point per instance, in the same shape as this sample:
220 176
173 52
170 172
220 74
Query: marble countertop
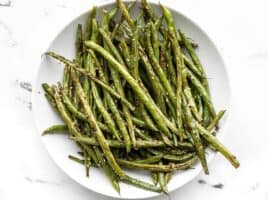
240 30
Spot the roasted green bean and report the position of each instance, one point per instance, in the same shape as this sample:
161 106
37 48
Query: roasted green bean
135 96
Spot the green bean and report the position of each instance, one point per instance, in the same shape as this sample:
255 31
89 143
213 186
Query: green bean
147 119
55 129
125 53
141 184
61 59
49 94
172 111
87 162
78 160
216 120
191 66
86 85
188 94
158 23
94 97
202 91
149 10
155 43
140 143
125 13
107 170
177 158
195 135
156 167
142 134
134 60
195 60
175 140
169 19
51 101
70 86
188 135
114 32
173 155
168 176
152 159
65 116
166 140
91 16
74 98
170 66
162 180
95 31
213 141
111 46
91 155
112 13
199 105
179 101
66 78
79 42
48 89
72 108
154 80
206 115
178 152
154 177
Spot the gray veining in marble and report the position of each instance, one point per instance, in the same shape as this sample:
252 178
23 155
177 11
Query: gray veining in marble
6 3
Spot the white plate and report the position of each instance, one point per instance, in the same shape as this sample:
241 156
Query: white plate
59 146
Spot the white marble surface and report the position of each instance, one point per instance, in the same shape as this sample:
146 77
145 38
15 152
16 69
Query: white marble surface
240 30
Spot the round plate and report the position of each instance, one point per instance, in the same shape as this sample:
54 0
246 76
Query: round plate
59 146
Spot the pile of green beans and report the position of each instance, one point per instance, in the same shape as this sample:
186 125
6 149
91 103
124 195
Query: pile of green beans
136 96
